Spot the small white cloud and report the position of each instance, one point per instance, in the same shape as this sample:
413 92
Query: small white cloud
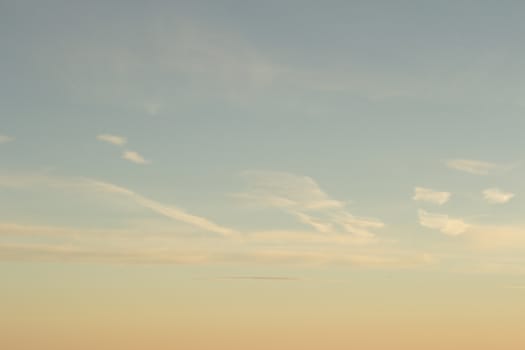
497 196
113 139
5 139
431 196
443 223
134 157
471 166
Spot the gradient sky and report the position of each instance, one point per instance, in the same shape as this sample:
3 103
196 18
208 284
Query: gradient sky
262 174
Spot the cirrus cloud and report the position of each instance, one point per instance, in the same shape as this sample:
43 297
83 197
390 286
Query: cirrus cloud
303 198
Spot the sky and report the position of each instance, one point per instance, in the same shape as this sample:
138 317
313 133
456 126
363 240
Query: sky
262 174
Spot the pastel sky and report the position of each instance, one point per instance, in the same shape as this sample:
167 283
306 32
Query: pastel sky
262 174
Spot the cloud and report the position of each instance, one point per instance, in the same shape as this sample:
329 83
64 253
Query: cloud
443 223
497 196
165 210
134 157
285 190
339 245
5 139
71 254
94 186
301 197
430 196
306 237
68 253
20 230
260 278
472 166
112 139
131 156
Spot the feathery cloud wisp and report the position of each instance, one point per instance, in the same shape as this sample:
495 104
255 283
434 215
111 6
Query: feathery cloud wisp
431 196
443 223
168 211
73 253
475 167
112 139
497 196
134 157
301 197
93 186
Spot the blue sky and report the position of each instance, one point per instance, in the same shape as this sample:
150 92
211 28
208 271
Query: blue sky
243 114
262 174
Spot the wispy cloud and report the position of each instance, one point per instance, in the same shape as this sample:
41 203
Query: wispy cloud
5 139
165 210
430 196
306 238
134 157
69 253
301 197
286 190
112 139
120 141
497 196
475 167
260 278
443 223
94 186
72 254
347 243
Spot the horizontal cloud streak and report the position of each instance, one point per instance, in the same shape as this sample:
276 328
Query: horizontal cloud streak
430 196
112 139
134 157
260 278
475 167
72 254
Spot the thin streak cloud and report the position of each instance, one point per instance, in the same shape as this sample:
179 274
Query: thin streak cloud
168 211
260 278
134 157
475 167
113 139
